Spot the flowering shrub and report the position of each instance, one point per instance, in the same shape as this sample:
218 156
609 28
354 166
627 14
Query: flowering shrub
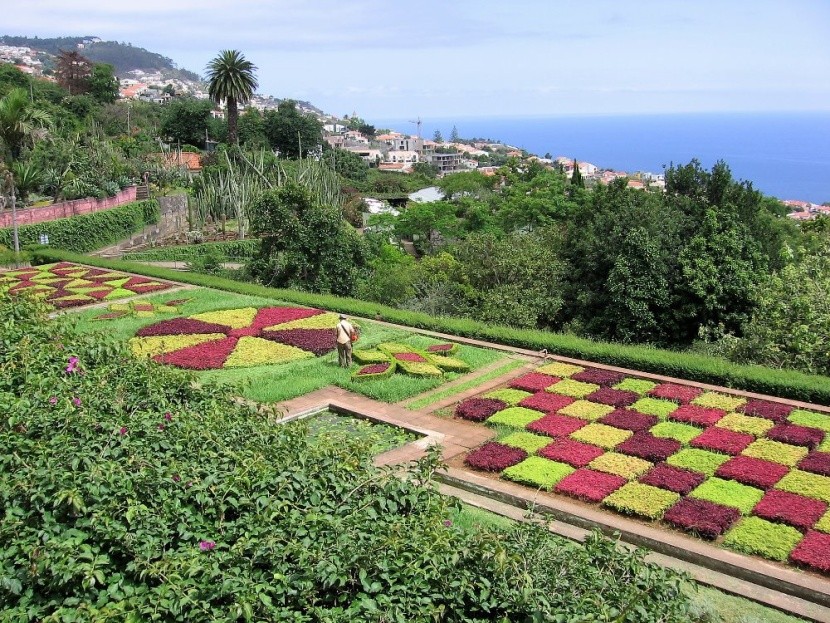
694 414
722 440
804 483
754 535
598 376
555 425
629 420
769 410
638 386
586 410
636 498
816 462
533 382
629 467
776 451
516 417
574 389
647 446
559 368
673 478
601 435
538 472
752 471
706 519
571 452
528 442
683 394
317 341
478 409
793 509
655 406
698 460
672 430
614 397
796 435
714 400
589 485
494 457
755 426
813 551
546 402
729 493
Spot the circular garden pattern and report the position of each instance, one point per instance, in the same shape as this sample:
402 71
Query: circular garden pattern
238 338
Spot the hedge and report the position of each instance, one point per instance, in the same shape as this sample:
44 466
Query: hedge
228 250
688 366
88 232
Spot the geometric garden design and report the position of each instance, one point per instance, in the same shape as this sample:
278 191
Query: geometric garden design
753 474
71 285
236 338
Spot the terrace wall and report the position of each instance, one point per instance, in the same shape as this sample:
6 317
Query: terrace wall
65 209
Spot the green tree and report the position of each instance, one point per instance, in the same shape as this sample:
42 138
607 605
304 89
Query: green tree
185 120
437 136
103 85
231 79
251 129
348 164
454 137
291 132
576 178
467 183
73 72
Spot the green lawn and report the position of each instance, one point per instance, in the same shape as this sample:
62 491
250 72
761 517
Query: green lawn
280 382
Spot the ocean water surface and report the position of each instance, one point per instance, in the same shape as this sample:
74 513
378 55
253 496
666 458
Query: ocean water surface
786 155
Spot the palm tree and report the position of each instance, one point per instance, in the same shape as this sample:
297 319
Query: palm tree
20 122
231 78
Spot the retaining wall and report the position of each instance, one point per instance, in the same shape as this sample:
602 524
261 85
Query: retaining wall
65 209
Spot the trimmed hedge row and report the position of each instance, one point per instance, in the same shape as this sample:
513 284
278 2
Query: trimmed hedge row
88 232
228 250
689 366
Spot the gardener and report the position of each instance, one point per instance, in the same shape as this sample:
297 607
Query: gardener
346 334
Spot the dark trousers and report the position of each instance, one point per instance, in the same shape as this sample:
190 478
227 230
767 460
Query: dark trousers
344 354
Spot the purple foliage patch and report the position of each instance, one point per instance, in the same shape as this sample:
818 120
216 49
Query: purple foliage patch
647 446
751 471
796 435
630 420
693 414
546 402
813 551
440 348
181 326
707 519
673 478
722 440
571 452
479 409
494 457
374 368
614 397
598 376
683 394
790 508
586 484
413 357
816 462
317 341
533 382
763 408
555 425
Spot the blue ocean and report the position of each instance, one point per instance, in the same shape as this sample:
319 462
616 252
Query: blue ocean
786 155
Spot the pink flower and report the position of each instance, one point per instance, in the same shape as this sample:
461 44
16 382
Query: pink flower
76 401
206 546
73 364
122 431
161 427
447 523
168 416
53 400
176 478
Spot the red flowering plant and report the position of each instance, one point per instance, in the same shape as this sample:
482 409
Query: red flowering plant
494 457
478 409
614 397
598 376
751 471
722 440
693 414
533 382
630 420
589 485
571 452
791 508
764 408
317 341
554 425
706 519
546 402
683 394
796 435
813 551
673 478
647 446
816 462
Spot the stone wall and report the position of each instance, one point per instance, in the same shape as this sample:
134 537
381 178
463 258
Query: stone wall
65 209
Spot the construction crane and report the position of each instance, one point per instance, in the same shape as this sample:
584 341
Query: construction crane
418 123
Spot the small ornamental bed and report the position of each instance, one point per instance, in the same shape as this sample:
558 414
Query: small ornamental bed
752 475
407 360
73 285
141 309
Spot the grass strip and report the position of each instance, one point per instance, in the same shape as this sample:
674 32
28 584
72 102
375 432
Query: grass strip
435 397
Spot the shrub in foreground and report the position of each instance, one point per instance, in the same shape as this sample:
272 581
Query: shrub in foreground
132 493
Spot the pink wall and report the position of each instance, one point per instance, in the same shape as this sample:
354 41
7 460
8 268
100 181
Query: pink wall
66 209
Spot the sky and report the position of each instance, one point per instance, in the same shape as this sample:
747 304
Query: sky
385 59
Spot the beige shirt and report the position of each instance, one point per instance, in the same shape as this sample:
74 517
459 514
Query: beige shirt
344 330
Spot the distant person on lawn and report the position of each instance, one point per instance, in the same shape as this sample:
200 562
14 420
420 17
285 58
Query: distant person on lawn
345 330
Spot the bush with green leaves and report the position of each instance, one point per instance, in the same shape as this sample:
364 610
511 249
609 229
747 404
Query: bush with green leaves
132 493
227 251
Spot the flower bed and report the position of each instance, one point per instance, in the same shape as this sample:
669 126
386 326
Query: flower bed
528 442
479 409
555 425
369 356
598 376
546 402
443 349
589 485
682 394
790 508
754 535
495 457
614 397
538 472
647 446
317 341
706 519
533 382
572 452
636 498
796 435
375 371
673 478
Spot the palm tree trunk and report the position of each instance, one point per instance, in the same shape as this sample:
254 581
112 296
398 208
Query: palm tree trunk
233 117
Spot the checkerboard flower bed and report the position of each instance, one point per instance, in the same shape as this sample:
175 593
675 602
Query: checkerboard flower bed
572 452
510 396
683 433
555 425
538 472
774 411
528 442
629 467
495 457
614 397
516 417
705 519
775 451
629 420
698 460
811 419
722 440
589 485
601 435
654 406
790 508
804 483
816 462
796 435
752 471
636 498
714 400
755 426
598 376
694 414
675 479
546 402
813 551
682 394
479 409
533 382
638 386
574 389
729 493
647 446
586 410
754 535
560 369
